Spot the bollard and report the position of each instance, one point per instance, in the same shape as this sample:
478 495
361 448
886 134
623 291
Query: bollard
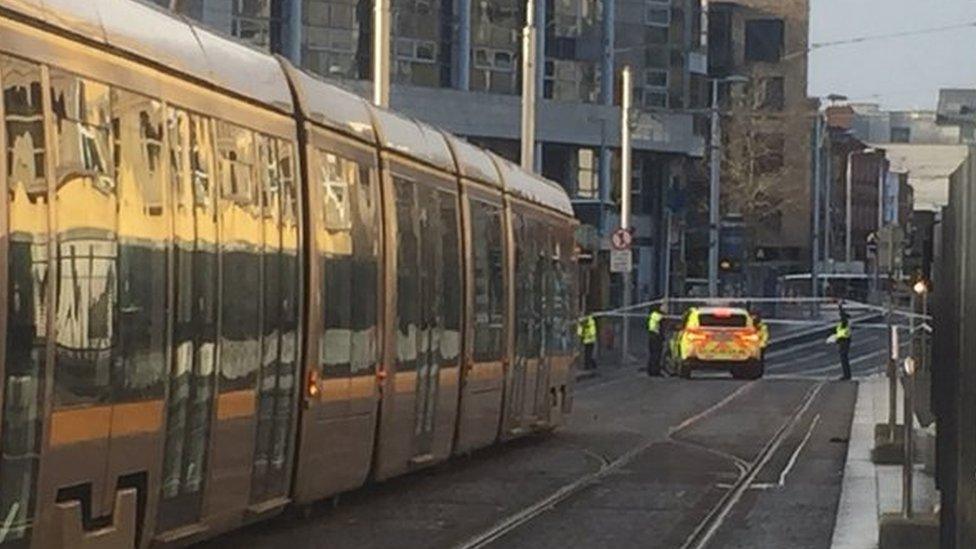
892 382
908 465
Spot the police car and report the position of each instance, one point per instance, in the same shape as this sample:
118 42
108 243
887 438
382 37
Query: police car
716 338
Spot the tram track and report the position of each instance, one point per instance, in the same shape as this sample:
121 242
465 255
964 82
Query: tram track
707 528
527 514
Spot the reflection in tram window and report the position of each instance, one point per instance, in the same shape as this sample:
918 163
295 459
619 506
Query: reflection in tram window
276 381
191 391
87 246
144 227
489 298
242 243
560 339
428 291
350 257
528 299
27 304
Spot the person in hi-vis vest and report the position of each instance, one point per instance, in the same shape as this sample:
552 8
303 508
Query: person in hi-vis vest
586 330
842 336
655 340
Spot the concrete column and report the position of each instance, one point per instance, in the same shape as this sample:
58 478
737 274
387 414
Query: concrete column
540 75
464 45
291 32
607 78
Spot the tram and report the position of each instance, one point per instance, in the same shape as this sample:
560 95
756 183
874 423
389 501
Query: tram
230 287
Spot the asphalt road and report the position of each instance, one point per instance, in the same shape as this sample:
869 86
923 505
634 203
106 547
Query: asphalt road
707 462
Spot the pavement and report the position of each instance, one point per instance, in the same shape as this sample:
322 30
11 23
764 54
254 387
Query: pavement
870 490
642 462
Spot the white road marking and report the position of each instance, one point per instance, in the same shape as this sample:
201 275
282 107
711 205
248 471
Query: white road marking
793 459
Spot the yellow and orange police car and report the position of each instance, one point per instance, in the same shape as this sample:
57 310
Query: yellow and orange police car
721 338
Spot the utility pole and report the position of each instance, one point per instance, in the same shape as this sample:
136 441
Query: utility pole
528 87
817 176
625 182
381 53
715 166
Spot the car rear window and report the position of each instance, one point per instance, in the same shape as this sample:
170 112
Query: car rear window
709 320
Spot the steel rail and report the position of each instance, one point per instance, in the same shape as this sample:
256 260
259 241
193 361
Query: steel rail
527 514
707 528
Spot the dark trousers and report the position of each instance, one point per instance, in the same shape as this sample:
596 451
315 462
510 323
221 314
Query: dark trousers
844 346
654 354
589 363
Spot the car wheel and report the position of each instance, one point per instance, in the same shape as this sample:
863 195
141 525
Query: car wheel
752 370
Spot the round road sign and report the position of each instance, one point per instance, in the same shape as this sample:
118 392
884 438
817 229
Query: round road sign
621 239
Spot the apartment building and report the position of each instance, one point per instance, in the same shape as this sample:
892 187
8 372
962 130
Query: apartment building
475 94
767 126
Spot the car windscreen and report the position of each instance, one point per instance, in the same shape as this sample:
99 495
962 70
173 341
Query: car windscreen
711 320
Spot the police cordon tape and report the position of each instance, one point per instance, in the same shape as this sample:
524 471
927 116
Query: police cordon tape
827 303
869 318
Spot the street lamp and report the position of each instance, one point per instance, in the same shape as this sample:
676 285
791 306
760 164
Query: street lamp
920 287
850 184
715 161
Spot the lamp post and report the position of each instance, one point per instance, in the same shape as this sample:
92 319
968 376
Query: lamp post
626 121
714 188
529 68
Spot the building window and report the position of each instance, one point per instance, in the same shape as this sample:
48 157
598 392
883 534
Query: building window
769 153
495 60
569 81
252 22
901 135
771 94
764 40
587 174
654 92
657 13
417 51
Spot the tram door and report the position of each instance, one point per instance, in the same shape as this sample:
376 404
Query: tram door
277 380
27 283
191 384
428 295
543 290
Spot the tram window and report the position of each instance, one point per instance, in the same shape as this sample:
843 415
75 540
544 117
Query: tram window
137 125
489 297
528 288
365 275
27 307
87 247
241 244
408 276
350 256
449 280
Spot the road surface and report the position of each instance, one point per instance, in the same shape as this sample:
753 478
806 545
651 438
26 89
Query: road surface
707 462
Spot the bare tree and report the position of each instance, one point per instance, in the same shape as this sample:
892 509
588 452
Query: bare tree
754 160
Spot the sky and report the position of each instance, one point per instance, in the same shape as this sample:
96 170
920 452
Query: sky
898 73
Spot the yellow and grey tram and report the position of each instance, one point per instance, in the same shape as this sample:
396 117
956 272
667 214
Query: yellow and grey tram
230 287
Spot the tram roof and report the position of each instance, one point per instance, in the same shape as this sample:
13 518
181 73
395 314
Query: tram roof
531 187
413 138
148 32
332 106
474 162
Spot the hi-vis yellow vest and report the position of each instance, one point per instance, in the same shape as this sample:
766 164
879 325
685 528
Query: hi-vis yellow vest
654 322
587 330
843 331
